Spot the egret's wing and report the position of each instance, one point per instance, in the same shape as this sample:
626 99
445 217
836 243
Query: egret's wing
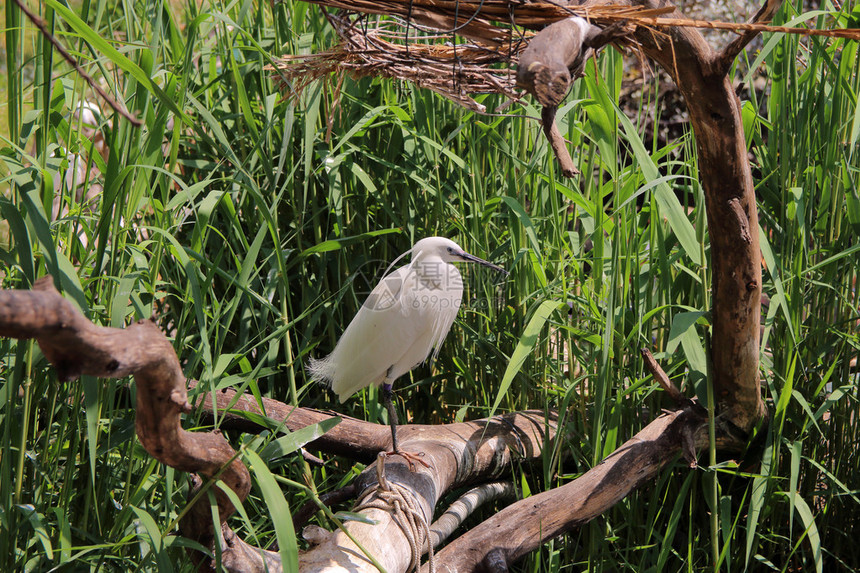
375 339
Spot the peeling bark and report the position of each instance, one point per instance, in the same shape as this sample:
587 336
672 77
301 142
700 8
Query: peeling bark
457 454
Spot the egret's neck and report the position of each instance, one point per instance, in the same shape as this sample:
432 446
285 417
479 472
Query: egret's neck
432 272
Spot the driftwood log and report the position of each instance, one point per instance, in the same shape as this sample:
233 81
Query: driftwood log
76 347
457 454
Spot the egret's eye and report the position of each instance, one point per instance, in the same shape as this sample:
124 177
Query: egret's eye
450 250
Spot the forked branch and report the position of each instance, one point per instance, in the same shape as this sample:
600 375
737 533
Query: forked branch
736 46
458 455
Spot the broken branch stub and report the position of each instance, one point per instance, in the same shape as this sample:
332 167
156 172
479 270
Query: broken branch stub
555 57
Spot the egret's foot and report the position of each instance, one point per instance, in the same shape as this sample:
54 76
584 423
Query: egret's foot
410 458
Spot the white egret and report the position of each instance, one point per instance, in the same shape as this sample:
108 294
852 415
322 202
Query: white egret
404 319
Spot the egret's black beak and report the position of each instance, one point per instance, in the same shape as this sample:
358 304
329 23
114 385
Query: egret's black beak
473 259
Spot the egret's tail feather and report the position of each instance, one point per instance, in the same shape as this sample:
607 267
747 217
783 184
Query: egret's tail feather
321 370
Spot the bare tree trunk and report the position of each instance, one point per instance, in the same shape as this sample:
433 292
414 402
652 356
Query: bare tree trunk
715 114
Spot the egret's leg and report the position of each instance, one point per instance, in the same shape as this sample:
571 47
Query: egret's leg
387 395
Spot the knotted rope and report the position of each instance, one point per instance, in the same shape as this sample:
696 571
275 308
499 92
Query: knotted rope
405 511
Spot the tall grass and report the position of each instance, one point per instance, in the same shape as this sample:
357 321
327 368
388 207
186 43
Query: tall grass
252 225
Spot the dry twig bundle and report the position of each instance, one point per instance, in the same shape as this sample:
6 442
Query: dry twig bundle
417 41
451 70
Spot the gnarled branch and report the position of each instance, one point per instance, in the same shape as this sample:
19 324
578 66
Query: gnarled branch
75 346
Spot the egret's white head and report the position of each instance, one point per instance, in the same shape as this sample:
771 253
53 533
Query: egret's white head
448 251
441 247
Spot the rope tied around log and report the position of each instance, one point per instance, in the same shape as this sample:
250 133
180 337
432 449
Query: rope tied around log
406 513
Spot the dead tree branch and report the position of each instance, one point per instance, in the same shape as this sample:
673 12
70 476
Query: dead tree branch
465 505
459 454
557 142
75 347
736 46
525 525
662 379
